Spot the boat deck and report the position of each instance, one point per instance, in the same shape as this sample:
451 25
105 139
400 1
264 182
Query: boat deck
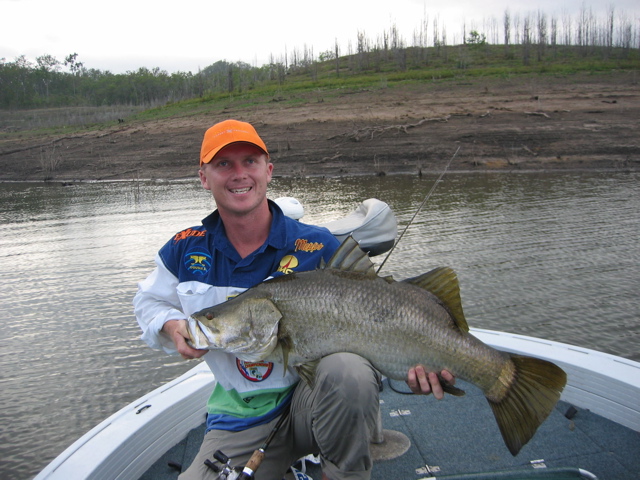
458 436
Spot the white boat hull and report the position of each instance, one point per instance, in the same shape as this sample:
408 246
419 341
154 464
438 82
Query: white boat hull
127 443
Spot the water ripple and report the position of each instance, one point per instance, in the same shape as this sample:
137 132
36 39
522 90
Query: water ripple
548 255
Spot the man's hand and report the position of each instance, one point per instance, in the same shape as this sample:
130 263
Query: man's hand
178 333
421 382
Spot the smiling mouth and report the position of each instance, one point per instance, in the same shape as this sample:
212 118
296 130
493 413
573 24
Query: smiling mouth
240 190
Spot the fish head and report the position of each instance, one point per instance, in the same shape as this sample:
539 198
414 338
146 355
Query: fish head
246 326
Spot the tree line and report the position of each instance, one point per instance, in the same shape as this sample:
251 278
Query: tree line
51 83
535 36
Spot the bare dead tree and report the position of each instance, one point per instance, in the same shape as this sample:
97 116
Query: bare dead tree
396 40
421 40
494 30
362 50
464 32
592 31
516 28
506 22
542 34
610 17
286 59
294 58
626 36
436 35
566 27
337 53
553 40
584 28
526 40
444 43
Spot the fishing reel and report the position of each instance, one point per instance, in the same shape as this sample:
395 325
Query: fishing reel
227 472
223 468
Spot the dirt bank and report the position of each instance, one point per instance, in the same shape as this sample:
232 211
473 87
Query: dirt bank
533 123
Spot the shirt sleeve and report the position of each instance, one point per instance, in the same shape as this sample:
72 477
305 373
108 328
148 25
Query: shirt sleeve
155 303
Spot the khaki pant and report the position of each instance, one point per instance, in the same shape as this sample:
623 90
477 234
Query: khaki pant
334 419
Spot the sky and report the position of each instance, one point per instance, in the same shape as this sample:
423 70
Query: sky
187 35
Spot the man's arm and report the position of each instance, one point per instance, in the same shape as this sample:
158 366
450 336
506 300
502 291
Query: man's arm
156 303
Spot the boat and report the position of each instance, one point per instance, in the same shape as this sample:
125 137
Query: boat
593 433
372 224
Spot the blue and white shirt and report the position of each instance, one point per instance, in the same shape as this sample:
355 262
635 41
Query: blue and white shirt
199 268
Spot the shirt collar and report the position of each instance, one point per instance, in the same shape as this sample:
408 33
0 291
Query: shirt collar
277 233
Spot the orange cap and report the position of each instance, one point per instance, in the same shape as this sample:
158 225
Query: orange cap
226 133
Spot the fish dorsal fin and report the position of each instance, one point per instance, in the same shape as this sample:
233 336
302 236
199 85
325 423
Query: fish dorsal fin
443 283
351 258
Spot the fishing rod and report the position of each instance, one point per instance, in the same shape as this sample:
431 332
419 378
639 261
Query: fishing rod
249 470
258 455
426 198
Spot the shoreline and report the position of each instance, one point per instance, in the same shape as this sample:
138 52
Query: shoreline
70 183
521 124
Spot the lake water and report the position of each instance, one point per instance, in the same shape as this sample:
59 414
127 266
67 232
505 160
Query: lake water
549 255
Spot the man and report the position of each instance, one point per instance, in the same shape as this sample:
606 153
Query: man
246 240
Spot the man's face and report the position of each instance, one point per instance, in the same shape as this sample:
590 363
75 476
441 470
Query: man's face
237 177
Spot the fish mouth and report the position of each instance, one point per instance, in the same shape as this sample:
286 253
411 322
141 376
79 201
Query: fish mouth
201 337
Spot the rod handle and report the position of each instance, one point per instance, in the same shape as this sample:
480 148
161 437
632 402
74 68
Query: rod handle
252 465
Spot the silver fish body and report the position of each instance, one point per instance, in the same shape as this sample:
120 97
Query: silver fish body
346 307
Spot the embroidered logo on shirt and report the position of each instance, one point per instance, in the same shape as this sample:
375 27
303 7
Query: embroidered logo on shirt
287 264
254 371
197 262
303 245
189 232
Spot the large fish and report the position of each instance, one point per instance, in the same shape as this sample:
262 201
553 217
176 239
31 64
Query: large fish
345 307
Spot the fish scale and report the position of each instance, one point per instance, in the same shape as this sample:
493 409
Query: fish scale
345 307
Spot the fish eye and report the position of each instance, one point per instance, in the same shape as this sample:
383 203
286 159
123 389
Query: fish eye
209 316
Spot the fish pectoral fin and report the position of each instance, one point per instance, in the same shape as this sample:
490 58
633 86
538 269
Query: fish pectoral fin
285 346
443 283
307 371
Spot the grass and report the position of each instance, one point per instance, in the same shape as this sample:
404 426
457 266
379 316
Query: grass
373 70
62 119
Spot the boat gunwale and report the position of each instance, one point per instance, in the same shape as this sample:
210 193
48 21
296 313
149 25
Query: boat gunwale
603 383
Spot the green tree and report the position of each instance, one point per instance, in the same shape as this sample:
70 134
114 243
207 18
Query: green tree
75 66
48 67
476 38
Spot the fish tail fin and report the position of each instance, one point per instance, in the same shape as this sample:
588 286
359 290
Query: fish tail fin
531 394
